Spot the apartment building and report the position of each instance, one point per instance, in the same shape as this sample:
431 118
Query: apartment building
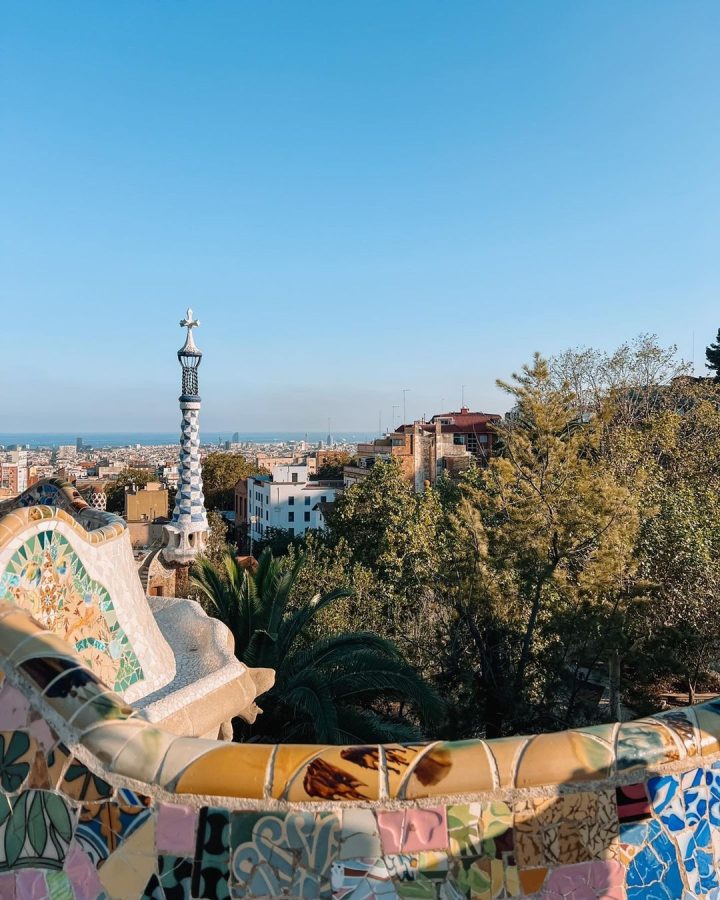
286 500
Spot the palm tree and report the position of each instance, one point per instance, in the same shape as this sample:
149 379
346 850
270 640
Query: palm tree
327 690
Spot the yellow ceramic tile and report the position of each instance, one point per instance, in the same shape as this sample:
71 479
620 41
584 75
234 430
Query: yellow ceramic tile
562 758
337 773
399 758
289 759
181 752
126 871
681 722
232 770
450 767
506 752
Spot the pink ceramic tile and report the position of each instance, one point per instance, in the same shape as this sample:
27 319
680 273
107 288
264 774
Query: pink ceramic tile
413 830
175 829
586 881
83 875
425 829
42 733
13 709
390 825
30 884
7 886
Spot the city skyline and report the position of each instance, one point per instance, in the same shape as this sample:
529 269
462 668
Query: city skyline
356 200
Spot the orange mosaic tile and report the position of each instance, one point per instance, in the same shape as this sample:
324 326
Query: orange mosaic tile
398 759
337 773
235 770
450 767
563 758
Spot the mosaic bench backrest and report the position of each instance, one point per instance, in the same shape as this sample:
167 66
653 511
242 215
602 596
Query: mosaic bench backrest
72 567
97 802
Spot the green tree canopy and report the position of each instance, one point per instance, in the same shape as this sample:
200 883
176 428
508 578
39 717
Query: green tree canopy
221 471
712 355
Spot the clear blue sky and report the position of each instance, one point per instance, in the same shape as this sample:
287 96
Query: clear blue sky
355 197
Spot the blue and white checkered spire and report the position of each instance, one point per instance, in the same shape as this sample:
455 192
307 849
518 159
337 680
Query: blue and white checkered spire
187 532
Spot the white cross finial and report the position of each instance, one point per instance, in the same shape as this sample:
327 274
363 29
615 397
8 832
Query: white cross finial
188 322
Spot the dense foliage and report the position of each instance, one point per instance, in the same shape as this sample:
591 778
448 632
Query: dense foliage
572 580
349 687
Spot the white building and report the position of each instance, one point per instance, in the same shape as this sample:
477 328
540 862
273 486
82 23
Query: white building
287 500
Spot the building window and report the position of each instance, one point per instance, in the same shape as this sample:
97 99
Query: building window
307 516
267 514
292 532
293 477
291 501
323 499
291 517
459 439
307 501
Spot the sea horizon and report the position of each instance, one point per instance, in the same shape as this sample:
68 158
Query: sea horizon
101 440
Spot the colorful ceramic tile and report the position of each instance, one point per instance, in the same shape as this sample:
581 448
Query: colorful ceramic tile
226 771
645 743
103 827
211 869
175 829
359 837
413 829
448 768
682 722
14 708
38 830
593 879
81 871
564 758
127 871
565 829
633 804
362 879
46 576
17 754
335 773
287 855
175 877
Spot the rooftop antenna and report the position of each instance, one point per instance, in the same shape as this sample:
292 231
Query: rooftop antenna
462 405
395 406
404 393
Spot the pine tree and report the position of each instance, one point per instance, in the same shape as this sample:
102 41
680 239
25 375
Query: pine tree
712 354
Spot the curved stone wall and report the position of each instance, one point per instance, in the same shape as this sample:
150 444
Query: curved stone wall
72 567
95 801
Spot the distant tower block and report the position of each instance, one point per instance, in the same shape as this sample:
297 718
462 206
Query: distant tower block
187 532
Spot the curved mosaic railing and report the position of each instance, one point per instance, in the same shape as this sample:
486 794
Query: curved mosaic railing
60 494
97 802
72 567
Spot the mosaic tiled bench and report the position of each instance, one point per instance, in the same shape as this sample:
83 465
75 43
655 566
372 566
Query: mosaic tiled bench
97 802
72 567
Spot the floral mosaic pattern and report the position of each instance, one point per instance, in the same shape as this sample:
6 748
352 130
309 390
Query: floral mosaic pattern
46 576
